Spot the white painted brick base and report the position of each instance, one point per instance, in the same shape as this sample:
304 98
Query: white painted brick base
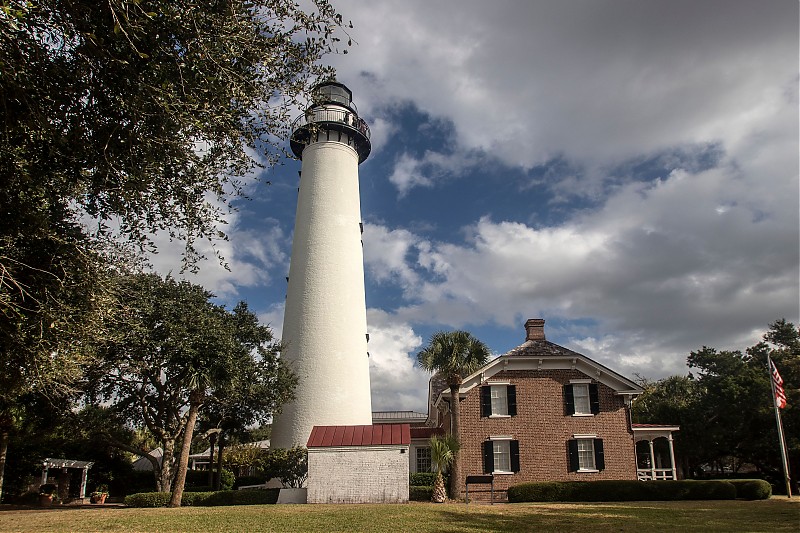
358 474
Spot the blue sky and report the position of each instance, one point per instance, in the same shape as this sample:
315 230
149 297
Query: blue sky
626 170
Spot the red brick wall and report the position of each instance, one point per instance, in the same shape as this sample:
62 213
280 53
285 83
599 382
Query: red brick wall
542 429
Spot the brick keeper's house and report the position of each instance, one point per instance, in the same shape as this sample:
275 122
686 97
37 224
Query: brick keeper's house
542 412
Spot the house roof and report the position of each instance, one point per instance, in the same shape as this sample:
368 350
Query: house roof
398 416
373 435
537 353
654 426
143 463
51 462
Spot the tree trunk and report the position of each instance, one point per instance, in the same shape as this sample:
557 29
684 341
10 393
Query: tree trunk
455 428
165 480
439 494
220 448
212 439
4 438
196 400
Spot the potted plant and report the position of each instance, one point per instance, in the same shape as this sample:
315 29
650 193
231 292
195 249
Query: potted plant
47 494
100 494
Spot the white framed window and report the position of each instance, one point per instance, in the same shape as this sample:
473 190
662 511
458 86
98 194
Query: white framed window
502 456
580 393
586 455
499 400
423 459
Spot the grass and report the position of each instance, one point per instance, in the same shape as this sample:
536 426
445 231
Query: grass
774 515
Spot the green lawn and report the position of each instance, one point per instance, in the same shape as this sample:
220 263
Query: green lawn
777 514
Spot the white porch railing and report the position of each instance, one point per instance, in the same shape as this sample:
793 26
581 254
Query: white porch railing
657 474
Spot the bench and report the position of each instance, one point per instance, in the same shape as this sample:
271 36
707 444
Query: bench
481 480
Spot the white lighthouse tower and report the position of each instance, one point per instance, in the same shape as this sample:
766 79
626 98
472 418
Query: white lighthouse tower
325 320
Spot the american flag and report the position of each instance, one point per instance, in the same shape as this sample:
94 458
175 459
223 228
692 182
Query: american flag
777 380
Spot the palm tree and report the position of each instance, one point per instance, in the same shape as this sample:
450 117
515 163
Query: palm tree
454 354
443 452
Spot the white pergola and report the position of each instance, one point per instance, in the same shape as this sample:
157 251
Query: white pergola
655 465
63 465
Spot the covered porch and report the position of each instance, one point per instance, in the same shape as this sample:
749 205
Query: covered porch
66 489
655 453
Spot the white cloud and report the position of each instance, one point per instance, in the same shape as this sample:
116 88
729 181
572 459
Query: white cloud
658 265
273 318
591 81
407 174
248 254
397 384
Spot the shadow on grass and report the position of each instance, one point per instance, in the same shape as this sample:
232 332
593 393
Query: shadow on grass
650 516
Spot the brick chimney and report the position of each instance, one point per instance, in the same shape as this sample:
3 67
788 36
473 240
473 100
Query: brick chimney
534 329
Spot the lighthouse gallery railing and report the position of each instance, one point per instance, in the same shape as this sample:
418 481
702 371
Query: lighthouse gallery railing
323 115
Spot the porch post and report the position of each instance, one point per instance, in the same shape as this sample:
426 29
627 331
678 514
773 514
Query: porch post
44 474
672 457
652 460
82 493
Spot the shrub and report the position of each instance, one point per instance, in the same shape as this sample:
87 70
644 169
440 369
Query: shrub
148 499
203 499
227 480
421 479
752 489
289 465
198 488
599 491
29 498
420 493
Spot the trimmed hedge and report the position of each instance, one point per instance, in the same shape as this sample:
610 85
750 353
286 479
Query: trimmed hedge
422 479
205 499
148 499
751 489
611 491
419 493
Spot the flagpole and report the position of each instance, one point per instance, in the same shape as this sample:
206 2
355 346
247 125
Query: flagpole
781 438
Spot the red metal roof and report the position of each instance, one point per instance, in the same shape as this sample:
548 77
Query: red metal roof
379 434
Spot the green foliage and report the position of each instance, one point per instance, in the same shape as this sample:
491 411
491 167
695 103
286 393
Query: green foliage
605 491
289 465
174 349
227 479
454 354
132 118
420 493
205 499
724 407
443 452
751 489
105 105
196 479
241 457
422 479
